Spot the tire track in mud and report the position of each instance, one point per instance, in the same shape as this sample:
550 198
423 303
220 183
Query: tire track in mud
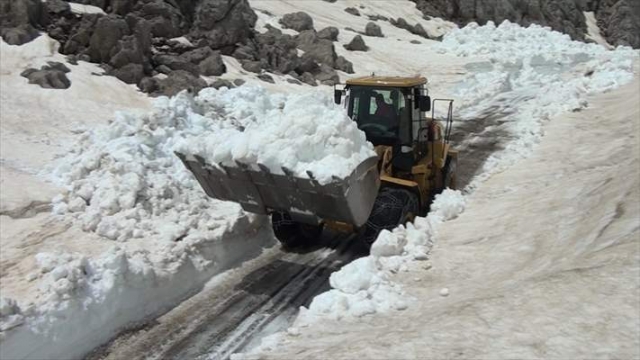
233 316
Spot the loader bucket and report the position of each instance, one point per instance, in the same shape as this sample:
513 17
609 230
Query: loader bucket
261 191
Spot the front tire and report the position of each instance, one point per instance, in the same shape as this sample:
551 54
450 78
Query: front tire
391 208
292 233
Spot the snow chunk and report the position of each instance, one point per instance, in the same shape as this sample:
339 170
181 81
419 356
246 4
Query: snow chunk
302 132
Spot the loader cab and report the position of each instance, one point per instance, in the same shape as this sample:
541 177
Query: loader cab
386 109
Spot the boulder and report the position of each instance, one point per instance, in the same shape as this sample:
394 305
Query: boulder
619 21
326 75
308 78
320 50
176 62
222 83
19 35
19 20
343 64
266 78
130 73
48 77
298 21
294 81
372 29
352 11
177 81
213 65
223 23
252 66
80 35
238 82
356 44
108 31
329 33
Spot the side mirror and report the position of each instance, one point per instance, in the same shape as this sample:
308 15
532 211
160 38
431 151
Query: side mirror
337 96
424 102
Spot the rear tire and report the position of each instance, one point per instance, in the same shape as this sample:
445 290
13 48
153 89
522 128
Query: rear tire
391 208
291 233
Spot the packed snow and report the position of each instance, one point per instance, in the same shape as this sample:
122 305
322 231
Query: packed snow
304 132
529 75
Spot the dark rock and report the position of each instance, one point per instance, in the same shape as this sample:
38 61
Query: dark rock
223 23
562 15
165 20
222 83
127 51
19 35
326 75
252 66
352 11
176 62
130 73
320 50
356 44
163 69
80 35
213 65
372 29
109 30
177 81
294 81
351 29
329 33
308 78
298 21
330 1
619 21
72 59
415 42
266 78
277 51
238 82
198 55
343 64
149 85
245 52
377 17
54 65
57 7
419 30
47 78
19 13
307 64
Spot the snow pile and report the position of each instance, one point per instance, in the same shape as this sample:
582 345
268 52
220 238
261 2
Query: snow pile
124 180
301 132
364 286
534 74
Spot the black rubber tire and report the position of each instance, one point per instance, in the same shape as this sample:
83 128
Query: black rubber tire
291 233
392 207
449 173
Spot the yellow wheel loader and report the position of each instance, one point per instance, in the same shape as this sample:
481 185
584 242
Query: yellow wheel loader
414 162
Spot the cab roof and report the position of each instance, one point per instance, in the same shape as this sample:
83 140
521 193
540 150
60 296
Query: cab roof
390 81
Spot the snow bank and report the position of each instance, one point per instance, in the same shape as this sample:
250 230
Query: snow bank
124 181
301 132
533 75
364 286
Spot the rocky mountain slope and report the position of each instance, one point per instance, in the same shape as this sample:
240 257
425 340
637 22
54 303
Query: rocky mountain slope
164 46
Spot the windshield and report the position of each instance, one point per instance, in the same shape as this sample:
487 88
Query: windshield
381 113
